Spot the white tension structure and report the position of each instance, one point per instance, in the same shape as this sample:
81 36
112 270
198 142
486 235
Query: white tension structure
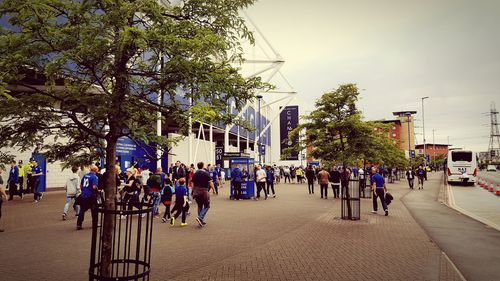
268 68
272 64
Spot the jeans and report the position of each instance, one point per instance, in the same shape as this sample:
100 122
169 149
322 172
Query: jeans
203 200
261 186
36 183
21 185
335 188
270 184
180 210
324 188
85 205
13 190
156 201
310 186
410 182
379 192
420 182
237 190
68 202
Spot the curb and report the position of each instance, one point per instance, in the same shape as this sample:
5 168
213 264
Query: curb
452 204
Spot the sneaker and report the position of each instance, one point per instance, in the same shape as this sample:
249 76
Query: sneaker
79 227
163 220
256 199
183 224
199 221
64 217
36 201
2 230
374 212
386 213
274 196
240 199
123 217
143 215
172 221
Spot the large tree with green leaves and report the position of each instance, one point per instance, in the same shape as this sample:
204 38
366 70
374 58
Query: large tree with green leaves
337 134
86 73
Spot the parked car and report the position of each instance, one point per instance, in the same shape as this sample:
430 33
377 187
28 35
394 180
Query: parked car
491 168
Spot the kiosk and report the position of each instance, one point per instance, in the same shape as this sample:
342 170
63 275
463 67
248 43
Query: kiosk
248 184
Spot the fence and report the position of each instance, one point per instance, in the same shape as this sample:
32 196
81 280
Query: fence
131 242
350 200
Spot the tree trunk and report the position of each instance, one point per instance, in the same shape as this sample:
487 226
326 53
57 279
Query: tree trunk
109 204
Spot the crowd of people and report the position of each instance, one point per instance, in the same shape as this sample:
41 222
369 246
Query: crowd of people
180 185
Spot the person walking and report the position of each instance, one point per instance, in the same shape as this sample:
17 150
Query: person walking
215 179
270 180
155 188
286 174
345 176
36 177
73 190
379 189
181 206
410 176
166 199
202 183
29 179
310 176
21 177
421 176
132 189
13 181
2 194
300 174
277 175
236 179
88 198
335 181
323 180
293 173
260 179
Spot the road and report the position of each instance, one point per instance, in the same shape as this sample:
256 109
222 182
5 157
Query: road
473 247
490 176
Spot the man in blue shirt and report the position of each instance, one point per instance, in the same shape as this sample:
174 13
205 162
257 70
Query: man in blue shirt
379 189
13 180
88 198
236 179
36 175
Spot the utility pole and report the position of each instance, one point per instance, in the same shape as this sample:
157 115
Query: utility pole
259 97
433 148
494 145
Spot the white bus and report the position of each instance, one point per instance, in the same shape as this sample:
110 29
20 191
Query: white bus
462 167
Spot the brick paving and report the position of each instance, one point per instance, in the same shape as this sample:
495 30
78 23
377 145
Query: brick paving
292 237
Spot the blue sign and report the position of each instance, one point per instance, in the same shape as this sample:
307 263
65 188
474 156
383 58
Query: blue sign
428 158
289 120
412 154
262 149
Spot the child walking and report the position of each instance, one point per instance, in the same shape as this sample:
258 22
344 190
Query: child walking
181 202
166 199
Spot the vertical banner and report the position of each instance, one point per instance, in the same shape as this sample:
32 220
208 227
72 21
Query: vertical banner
219 155
289 120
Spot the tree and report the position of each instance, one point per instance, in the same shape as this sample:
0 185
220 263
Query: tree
336 132
85 73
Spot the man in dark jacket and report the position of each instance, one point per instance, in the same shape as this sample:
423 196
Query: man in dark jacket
335 181
310 176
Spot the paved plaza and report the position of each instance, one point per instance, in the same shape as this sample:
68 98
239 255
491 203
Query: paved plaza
292 237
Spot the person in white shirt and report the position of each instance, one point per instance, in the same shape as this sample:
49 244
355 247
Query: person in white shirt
260 179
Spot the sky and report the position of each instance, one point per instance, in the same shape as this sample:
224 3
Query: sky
396 51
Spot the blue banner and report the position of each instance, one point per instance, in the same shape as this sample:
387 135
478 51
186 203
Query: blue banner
289 120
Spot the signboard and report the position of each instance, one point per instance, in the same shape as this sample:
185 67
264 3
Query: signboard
289 120
262 149
412 153
219 155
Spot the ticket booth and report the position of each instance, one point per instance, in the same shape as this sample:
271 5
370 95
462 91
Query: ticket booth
247 167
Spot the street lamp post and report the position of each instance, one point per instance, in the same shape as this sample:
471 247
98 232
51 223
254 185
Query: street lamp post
433 148
409 140
423 128
259 97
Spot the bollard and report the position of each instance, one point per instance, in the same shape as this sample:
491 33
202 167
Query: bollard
485 186
497 192
492 187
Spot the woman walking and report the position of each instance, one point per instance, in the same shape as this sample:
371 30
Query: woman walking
311 176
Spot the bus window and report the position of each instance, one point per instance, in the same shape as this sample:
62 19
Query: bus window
461 156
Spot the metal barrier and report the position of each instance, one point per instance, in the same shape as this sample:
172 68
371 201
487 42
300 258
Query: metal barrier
350 201
131 242
364 191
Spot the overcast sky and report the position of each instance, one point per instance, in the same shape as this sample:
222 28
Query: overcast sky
398 51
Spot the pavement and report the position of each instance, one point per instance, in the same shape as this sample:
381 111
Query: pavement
472 246
295 236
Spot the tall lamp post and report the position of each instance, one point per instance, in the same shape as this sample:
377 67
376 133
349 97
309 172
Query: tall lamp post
408 115
423 127
259 97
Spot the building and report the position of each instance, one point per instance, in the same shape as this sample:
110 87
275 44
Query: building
405 132
432 149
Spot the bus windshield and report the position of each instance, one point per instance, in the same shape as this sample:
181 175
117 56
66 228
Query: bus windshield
461 156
